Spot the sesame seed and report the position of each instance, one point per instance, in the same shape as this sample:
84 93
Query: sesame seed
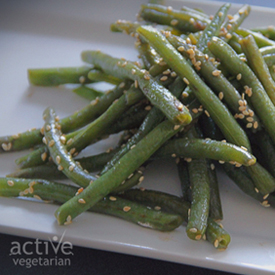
192 20
185 94
176 127
195 110
228 35
173 74
241 116
212 166
121 85
250 119
71 167
112 198
238 164
221 161
216 243
167 72
60 167
198 237
146 76
157 208
68 220
72 151
58 159
221 95
44 156
256 190
255 125
126 208
133 146
216 72
6 146
48 127
239 76
10 183
186 80
174 22
141 179
131 175
193 230
51 143
136 84
82 201
163 78
188 40
265 196
188 159
79 191
244 148
242 108
265 203
249 125
148 108
173 155
32 183
37 197
133 71
207 113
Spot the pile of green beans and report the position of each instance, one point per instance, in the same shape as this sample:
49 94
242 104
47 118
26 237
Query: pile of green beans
201 93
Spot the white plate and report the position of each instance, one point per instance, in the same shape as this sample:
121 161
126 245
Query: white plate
53 33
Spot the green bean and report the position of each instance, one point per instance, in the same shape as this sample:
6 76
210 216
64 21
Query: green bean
216 235
50 171
58 76
261 40
213 28
269 59
59 154
110 205
200 193
242 179
258 65
177 19
157 94
205 148
259 99
233 23
268 150
118 173
267 31
209 128
171 203
33 137
215 207
87 92
184 179
98 76
233 132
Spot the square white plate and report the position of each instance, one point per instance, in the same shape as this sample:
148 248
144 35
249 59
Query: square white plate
53 33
